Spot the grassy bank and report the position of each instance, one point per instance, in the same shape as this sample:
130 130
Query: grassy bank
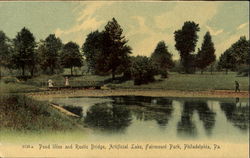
21 113
191 82
176 81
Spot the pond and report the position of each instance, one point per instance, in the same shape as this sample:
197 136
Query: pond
138 118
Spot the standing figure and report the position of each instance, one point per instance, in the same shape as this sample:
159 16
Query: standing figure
66 81
50 83
237 86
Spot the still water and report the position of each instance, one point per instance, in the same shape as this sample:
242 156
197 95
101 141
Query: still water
137 118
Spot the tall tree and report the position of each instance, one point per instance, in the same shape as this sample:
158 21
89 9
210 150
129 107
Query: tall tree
5 51
206 55
92 48
186 39
115 50
162 59
70 56
24 47
226 61
51 53
236 55
240 50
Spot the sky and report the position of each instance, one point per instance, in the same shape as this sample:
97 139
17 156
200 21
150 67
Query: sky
144 24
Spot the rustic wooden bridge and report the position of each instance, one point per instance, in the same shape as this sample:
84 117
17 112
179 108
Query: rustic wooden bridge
59 85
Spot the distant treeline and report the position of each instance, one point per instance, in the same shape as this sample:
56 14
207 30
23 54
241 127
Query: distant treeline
107 52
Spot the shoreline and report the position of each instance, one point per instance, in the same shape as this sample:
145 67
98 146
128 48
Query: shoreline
136 92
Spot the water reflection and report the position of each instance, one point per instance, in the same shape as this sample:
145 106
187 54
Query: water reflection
166 118
237 113
148 108
186 125
108 117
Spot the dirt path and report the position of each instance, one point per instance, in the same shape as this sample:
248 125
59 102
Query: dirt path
154 93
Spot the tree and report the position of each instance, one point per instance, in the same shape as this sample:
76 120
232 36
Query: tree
50 57
92 48
186 40
206 55
70 56
240 50
226 61
5 51
142 70
236 55
24 49
115 53
162 59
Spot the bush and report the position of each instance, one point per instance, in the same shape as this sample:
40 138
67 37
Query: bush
243 70
143 70
10 80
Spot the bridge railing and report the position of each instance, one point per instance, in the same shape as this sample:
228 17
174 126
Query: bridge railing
75 83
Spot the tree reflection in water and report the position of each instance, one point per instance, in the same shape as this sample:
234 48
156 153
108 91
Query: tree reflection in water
186 126
107 116
237 114
148 108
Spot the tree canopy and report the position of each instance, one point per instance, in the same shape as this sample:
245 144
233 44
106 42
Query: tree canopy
107 51
70 56
236 55
162 59
206 55
50 57
143 70
92 49
24 49
5 51
186 39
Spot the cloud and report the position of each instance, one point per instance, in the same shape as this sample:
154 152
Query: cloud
213 31
226 43
151 37
85 19
241 26
201 13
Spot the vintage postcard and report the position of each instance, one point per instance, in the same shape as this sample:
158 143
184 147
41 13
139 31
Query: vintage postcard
124 79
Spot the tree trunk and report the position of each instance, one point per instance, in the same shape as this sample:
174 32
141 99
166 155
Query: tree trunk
52 69
113 74
0 72
32 72
201 71
23 70
71 71
226 71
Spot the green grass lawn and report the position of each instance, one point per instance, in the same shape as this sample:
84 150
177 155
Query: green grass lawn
192 82
21 113
176 81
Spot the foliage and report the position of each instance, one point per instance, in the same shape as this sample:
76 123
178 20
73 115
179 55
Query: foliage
92 48
109 52
106 117
236 55
206 55
24 50
21 113
186 39
70 56
162 59
50 53
5 51
143 70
